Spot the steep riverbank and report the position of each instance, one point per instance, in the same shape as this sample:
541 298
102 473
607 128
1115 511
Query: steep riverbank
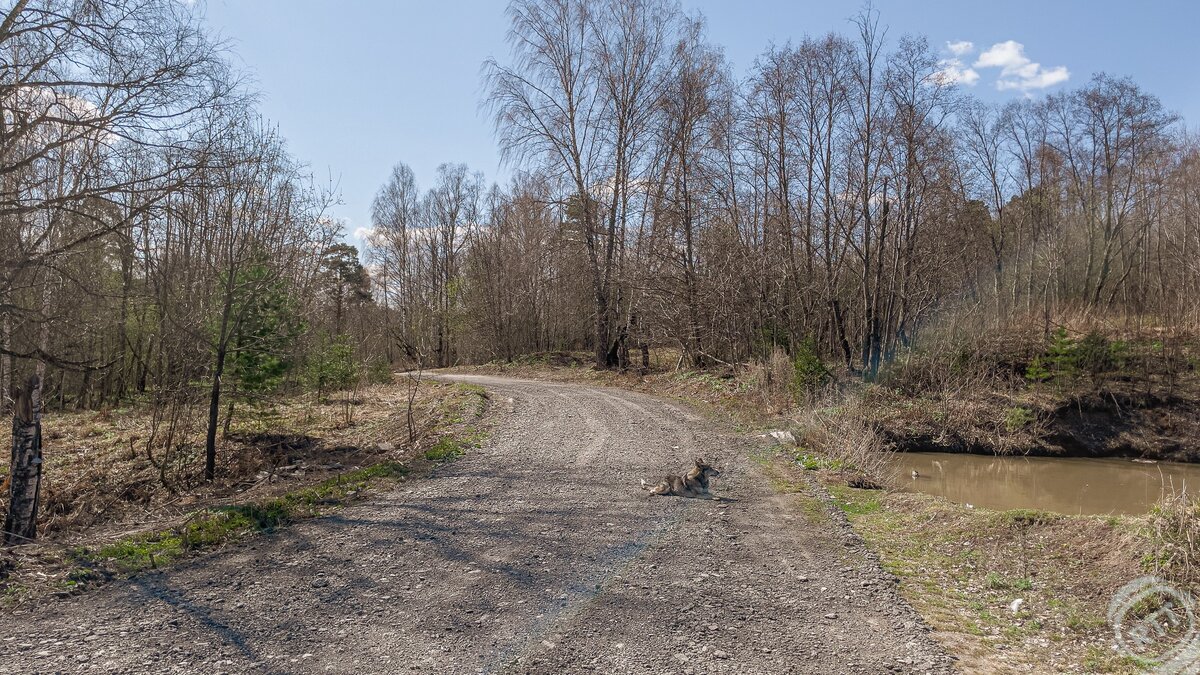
1073 394
1106 423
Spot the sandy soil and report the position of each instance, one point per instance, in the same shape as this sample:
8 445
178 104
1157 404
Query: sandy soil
536 553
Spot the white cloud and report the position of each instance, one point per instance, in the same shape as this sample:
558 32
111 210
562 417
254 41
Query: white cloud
953 72
1009 54
960 47
363 233
1018 71
1041 79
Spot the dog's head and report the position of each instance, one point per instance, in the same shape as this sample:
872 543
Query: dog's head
707 469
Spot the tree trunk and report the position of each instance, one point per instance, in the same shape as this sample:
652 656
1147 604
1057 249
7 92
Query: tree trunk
26 469
839 325
214 413
229 414
6 369
601 328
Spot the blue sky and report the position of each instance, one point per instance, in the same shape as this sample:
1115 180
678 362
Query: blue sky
358 85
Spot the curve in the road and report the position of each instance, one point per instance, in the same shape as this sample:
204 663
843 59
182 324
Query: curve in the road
536 553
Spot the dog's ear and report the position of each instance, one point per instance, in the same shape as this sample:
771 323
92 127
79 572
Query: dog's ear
700 462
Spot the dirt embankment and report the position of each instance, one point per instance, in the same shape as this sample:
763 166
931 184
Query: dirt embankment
1087 393
1103 424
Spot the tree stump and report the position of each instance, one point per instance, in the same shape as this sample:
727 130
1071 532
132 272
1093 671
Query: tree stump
20 526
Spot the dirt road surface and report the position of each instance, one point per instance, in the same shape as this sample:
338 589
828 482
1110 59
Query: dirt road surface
537 553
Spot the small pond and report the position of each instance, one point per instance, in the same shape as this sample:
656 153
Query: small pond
1063 485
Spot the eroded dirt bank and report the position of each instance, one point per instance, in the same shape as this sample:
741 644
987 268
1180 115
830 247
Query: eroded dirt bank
536 553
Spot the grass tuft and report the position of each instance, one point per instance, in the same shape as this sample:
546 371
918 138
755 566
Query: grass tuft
445 450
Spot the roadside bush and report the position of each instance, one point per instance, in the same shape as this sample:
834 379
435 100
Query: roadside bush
785 381
332 366
844 435
379 371
809 373
1174 532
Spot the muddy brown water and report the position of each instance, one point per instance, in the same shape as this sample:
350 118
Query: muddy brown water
1062 485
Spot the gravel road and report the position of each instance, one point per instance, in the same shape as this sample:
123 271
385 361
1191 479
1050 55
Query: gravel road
537 553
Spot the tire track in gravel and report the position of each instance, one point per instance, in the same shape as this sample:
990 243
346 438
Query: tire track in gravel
536 553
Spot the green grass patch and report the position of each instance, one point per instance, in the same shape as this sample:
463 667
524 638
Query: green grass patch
445 450
856 502
458 436
214 527
813 509
811 461
1017 418
1100 660
999 582
467 388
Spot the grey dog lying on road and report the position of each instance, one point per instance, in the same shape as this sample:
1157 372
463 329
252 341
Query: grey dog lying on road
692 484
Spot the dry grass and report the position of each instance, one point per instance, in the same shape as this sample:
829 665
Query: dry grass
966 419
102 479
1173 529
110 512
843 435
963 569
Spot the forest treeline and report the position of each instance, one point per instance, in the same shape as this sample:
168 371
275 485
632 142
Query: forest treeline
157 240
843 196
159 244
